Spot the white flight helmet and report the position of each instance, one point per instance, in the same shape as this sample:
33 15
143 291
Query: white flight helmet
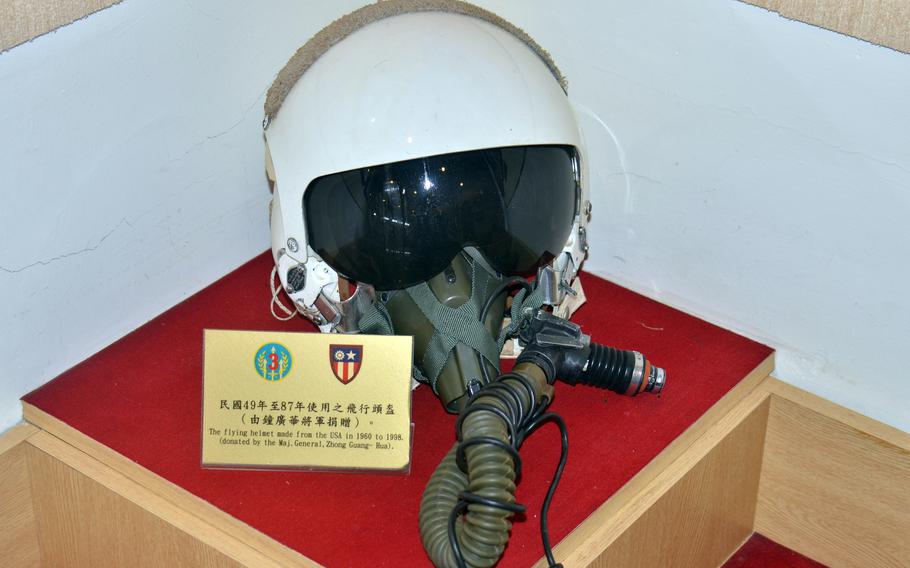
425 89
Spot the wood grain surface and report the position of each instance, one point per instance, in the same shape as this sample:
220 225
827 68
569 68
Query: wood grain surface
89 515
706 515
835 486
206 512
694 504
18 530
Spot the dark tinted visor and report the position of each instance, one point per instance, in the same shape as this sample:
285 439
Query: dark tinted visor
398 224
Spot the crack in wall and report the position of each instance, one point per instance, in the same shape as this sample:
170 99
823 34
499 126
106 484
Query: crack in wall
67 254
630 173
755 116
217 135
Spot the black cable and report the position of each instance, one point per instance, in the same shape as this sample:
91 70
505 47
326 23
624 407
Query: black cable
519 425
502 287
561 466
488 303
457 510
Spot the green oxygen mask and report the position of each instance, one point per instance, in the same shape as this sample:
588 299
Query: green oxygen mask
455 351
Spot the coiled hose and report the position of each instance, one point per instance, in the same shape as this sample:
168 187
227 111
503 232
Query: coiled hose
490 430
466 510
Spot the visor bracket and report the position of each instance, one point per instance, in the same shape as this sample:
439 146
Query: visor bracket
554 283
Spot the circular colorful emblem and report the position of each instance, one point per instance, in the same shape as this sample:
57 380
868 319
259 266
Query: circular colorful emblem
273 361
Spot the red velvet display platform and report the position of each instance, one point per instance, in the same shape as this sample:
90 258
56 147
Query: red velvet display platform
762 552
141 397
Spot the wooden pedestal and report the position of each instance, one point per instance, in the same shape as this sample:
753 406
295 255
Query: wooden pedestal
813 476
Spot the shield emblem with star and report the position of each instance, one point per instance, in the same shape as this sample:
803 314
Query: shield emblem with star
345 361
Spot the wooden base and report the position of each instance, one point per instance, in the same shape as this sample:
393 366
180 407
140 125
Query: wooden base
18 529
623 527
835 486
819 479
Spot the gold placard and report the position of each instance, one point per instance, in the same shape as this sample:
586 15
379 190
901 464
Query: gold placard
306 400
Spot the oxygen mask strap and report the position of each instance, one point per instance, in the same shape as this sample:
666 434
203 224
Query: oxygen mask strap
455 325
376 320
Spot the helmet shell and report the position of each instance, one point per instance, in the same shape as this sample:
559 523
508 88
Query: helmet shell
408 86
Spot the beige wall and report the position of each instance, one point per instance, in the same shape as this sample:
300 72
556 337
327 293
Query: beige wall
22 20
883 22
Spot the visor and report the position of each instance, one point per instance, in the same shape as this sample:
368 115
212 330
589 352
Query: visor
399 224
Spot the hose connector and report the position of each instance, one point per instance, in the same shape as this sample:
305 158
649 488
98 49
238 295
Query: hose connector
560 348
624 372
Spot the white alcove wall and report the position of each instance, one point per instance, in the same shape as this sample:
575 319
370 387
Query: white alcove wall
748 169
132 169
754 171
